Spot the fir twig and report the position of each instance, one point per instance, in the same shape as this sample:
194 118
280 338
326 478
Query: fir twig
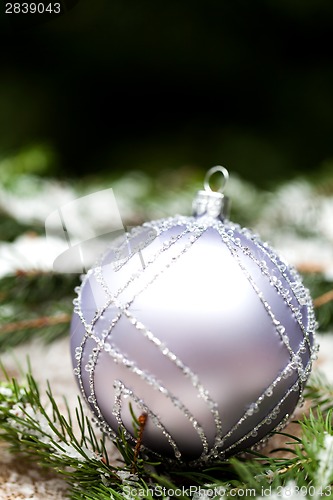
35 304
44 434
141 423
41 322
323 299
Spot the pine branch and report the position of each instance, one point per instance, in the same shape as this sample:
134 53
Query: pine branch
47 437
41 322
325 298
35 304
44 434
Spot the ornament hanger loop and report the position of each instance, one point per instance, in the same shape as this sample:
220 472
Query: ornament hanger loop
209 175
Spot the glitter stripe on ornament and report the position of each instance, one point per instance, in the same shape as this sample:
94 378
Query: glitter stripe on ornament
279 328
122 391
295 362
120 262
112 300
89 327
287 299
272 415
254 407
265 272
114 353
203 393
228 239
300 292
140 272
267 420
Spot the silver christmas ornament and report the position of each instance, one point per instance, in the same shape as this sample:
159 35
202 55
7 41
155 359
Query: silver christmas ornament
199 325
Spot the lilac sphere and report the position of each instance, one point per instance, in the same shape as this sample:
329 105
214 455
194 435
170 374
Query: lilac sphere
199 325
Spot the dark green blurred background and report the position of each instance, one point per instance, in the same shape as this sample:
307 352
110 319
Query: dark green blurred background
117 85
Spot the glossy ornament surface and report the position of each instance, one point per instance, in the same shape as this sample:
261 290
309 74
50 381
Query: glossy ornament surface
201 326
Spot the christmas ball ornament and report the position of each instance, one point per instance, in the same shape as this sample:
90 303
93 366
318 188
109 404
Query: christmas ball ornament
199 325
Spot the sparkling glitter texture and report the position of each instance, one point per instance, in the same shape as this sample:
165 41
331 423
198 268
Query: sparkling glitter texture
200 325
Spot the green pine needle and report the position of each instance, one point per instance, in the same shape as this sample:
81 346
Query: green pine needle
46 436
35 305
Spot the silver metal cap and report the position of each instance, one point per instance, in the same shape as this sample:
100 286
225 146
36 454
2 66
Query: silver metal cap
209 202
